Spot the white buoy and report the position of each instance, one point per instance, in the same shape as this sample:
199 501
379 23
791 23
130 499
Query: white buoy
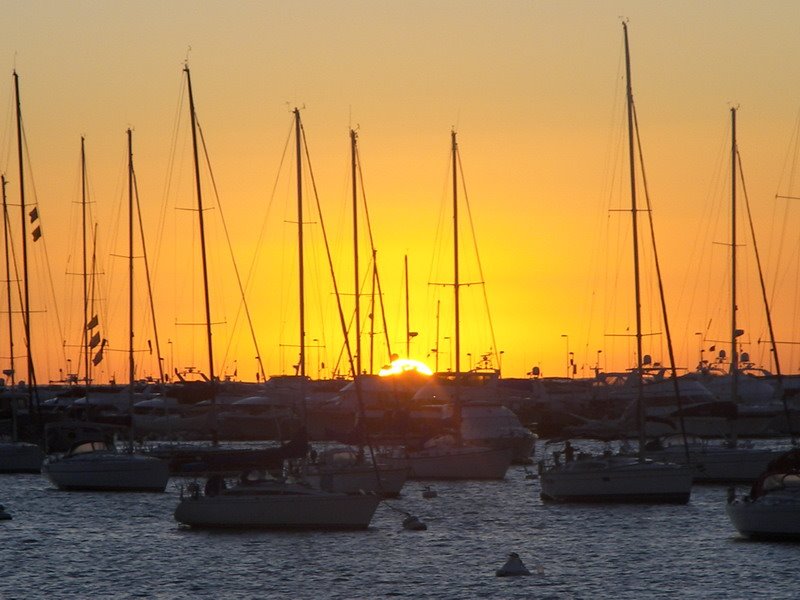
4 516
413 523
513 567
429 492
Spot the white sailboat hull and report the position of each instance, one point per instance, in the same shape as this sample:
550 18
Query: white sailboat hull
357 478
775 516
108 471
721 465
464 462
617 480
20 457
318 510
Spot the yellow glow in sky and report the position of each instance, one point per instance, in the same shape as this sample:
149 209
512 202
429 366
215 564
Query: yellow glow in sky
535 92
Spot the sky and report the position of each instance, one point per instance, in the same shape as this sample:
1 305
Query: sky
535 93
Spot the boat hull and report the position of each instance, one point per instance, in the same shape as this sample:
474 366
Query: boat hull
465 462
317 511
356 479
110 472
766 520
20 457
721 465
597 481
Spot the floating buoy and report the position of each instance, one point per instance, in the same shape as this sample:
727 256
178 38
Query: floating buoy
429 492
513 567
413 523
4 516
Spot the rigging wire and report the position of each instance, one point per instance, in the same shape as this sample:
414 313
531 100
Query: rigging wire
243 301
482 281
662 296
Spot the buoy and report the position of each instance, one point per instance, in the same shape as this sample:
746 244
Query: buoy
513 567
4 516
413 523
428 492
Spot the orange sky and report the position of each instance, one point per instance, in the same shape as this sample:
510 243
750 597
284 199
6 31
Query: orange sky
535 92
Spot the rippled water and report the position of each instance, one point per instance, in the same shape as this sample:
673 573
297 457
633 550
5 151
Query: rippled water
96 545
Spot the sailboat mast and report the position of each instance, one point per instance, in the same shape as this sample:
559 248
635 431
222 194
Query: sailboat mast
456 284
456 288
353 149
301 366
131 366
85 273
636 278
438 308
202 224
26 309
734 353
408 324
8 281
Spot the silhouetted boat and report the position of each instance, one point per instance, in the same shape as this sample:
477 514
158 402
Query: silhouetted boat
772 508
273 504
609 478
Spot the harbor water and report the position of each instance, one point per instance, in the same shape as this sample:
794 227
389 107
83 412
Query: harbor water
124 545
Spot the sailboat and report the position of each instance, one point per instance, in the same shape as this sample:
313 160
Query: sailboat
619 478
342 469
448 457
772 508
17 456
96 464
733 462
277 503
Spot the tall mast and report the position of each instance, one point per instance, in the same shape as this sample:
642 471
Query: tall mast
438 307
408 325
202 223
456 283
456 288
131 366
734 353
637 288
26 309
202 250
353 150
8 281
301 366
86 315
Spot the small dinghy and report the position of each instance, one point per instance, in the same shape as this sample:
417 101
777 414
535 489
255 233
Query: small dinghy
4 516
429 492
513 567
413 523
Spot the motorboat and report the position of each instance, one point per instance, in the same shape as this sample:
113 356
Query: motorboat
98 465
20 457
272 504
616 479
772 508
443 458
